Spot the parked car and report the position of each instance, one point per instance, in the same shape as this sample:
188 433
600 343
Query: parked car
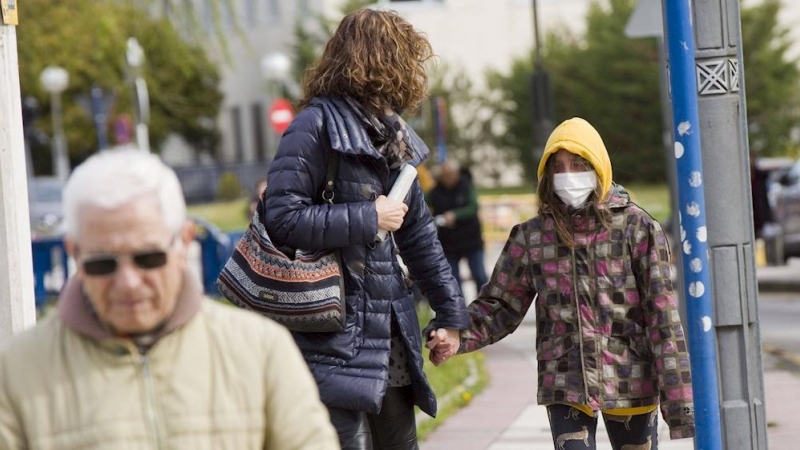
776 168
786 209
45 206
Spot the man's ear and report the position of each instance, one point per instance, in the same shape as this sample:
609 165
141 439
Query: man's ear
188 231
70 247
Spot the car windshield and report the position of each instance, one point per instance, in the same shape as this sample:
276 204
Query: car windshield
794 172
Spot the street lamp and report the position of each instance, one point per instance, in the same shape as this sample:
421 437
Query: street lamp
55 80
134 56
541 94
276 69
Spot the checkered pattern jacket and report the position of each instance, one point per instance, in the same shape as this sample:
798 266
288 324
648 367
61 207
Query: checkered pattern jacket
608 330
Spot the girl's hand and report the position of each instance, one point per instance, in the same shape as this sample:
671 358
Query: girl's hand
443 343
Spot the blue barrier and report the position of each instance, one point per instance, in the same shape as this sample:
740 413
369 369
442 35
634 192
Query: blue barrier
51 262
49 257
215 249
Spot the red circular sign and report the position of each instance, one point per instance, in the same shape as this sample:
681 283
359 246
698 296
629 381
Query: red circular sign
280 115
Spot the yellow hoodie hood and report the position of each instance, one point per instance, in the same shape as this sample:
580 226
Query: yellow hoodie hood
579 137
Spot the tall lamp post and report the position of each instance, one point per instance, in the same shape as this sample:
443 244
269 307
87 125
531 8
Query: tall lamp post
541 95
55 80
276 69
135 59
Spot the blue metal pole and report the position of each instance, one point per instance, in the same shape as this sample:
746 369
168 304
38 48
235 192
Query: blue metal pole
99 113
701 332
440 127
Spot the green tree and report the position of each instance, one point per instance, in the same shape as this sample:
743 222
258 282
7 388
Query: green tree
467 123
612 81
604 77
772 80
88 38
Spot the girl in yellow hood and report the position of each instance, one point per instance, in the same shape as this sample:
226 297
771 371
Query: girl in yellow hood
595 268
574 173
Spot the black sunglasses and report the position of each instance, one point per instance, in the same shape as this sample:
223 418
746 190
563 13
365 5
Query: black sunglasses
107 264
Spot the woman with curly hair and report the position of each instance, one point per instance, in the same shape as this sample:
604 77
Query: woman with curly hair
595 268
370 374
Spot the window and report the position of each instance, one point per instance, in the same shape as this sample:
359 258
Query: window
273 10
238 144
257 112
228 14
302 8
166 8
208 15
250 13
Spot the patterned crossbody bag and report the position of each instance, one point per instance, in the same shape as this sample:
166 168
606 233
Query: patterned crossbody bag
304 293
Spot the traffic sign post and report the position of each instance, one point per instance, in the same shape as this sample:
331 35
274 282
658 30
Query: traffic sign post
280 115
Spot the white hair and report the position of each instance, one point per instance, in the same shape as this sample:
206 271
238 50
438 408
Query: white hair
115 177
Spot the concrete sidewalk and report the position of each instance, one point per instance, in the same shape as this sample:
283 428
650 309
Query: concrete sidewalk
784 278
505 415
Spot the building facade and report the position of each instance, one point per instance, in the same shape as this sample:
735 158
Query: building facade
471 35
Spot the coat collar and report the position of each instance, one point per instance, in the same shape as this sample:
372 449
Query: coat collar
348 136
75 311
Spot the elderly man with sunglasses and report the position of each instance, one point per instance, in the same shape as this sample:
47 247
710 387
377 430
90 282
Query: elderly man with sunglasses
133 356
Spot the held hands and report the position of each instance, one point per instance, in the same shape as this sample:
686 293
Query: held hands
443 343
390 213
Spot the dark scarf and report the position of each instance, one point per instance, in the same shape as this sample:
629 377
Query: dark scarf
388 132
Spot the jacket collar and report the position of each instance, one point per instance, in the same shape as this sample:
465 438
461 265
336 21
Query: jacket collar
618 197
75 311
347 135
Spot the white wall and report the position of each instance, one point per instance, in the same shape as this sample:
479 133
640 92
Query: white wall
473 35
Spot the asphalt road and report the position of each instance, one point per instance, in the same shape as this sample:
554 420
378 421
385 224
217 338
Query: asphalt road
779 323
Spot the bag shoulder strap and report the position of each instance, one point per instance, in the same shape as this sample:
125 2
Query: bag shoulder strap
330 176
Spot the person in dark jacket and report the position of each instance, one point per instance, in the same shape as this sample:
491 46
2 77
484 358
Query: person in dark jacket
454 203
595 269
370 374
759 184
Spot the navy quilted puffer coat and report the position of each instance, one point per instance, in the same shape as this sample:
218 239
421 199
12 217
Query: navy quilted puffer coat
351 367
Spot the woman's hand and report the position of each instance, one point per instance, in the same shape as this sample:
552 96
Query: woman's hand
390 213
443 343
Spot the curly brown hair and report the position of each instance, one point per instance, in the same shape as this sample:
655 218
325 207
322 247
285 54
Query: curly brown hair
549 203
374 57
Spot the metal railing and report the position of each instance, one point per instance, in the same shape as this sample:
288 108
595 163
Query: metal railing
201 183
52 266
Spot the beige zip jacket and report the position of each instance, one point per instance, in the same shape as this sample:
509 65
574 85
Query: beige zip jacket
217 378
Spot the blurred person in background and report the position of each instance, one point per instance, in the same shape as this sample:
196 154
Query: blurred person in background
454 204
257 194
595 268
762 211
369 374
133 355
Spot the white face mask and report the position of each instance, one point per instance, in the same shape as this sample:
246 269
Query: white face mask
575 187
